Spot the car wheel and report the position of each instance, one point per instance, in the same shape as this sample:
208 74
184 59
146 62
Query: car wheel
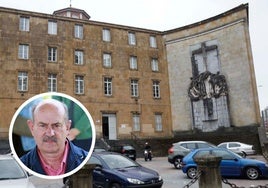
252 173
115 185
192 172
177 163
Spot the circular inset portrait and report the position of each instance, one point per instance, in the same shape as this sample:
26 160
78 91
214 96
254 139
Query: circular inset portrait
52 135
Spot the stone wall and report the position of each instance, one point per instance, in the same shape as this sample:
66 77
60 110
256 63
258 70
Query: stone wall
230 34
229 31
38 67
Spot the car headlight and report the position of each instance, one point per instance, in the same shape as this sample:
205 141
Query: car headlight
135 181
159 178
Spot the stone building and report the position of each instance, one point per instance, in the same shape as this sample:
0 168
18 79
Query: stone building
211 73
133 81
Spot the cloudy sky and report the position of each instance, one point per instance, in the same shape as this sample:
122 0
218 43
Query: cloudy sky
164 15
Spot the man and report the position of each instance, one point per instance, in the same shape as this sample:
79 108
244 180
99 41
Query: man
54 154
147 146
80 132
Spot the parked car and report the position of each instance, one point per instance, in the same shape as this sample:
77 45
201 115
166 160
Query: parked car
12 175
231 165
181 149
98 149
238 147
114 170
127 150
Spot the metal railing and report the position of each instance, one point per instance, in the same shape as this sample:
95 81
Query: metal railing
224 180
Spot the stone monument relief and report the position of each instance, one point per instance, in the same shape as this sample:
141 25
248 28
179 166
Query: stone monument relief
208 89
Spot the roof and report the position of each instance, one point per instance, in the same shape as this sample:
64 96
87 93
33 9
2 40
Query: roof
192 141
233 10
72 10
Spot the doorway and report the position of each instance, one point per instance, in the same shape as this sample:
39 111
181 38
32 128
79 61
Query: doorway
109 126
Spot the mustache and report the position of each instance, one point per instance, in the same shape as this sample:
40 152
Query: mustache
49 139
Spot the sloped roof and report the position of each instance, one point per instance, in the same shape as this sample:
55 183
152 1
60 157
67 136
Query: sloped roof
72 10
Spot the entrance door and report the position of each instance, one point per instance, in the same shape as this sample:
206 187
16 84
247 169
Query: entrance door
109 126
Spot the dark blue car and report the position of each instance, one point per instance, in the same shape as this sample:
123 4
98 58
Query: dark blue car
114 170
232 164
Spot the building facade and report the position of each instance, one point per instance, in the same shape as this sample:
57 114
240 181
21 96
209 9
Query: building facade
133 81
211 73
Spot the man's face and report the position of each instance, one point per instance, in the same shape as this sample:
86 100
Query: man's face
49 128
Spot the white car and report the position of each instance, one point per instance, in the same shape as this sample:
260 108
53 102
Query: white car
238 147
12 175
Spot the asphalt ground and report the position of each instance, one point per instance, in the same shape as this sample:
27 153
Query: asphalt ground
173 178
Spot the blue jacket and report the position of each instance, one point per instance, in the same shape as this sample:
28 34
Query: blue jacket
75 157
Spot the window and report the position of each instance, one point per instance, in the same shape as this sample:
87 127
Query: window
79 57
154 64
52 82
24 24
134 88
133 63
52 27
79 84
78 31
52 54
225 155
107 60
22 81
153 43
106 35
23 51
131 38
156 89
107 86
234 145
136 122
158 122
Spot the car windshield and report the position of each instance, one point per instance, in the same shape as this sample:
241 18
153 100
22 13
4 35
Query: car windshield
222 146
128 147
118 161
10 169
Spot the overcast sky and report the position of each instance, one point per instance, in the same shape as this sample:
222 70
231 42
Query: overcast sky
164 15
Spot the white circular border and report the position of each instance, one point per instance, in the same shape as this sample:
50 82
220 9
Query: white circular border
92 129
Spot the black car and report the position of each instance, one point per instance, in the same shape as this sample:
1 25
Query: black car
114 170
127 150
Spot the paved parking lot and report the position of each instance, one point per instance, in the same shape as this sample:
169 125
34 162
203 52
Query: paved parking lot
44 183
173 178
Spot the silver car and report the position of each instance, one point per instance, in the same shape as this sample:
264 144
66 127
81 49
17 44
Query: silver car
12 175
238 147
181 149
